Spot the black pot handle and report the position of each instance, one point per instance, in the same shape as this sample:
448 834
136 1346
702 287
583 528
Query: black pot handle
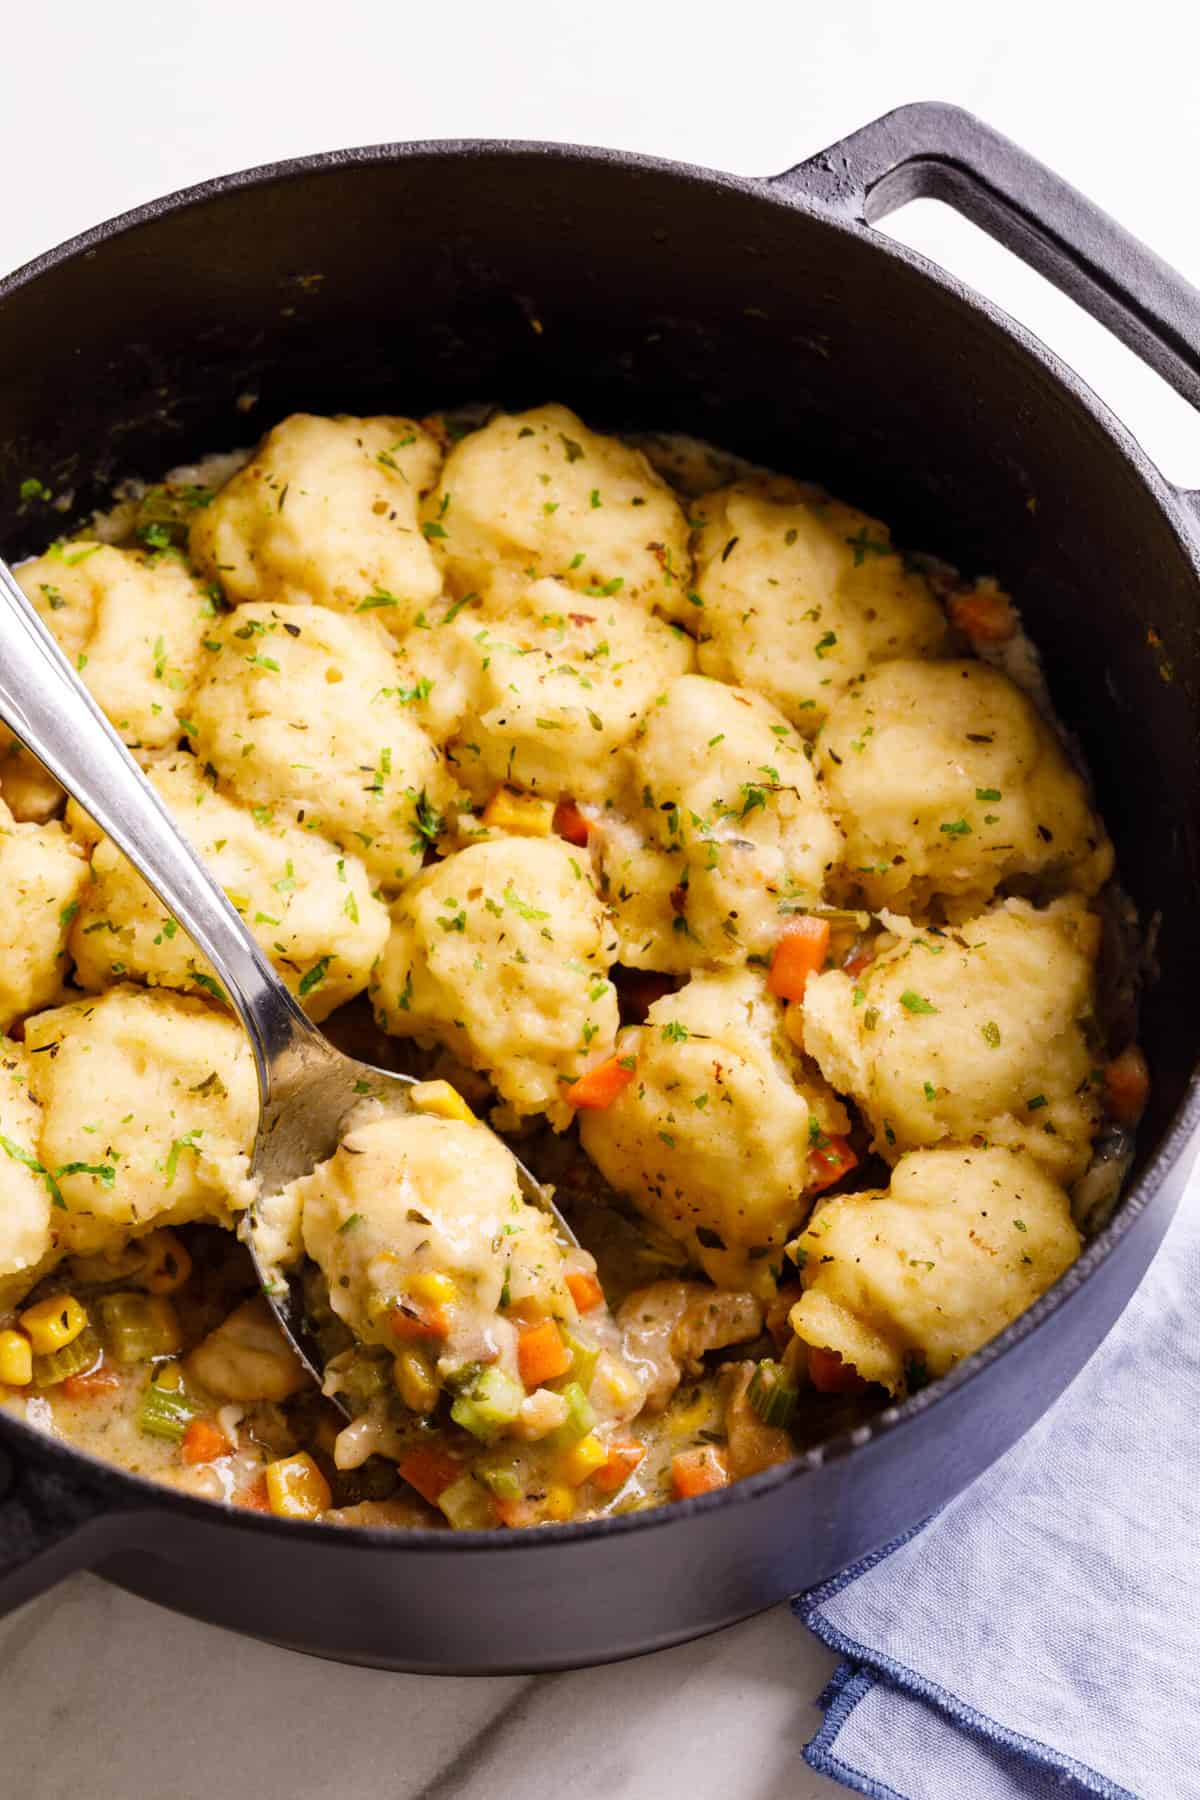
52 1523
933 151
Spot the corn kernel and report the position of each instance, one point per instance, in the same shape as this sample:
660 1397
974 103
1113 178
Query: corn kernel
559 1504
53 1324
296 1488
168 1264
437 1289
793 1022
442 1100
16 1359
582 1460
522 814
685 1421
414 1381
616 1387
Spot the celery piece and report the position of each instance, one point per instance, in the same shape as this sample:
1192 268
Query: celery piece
136 1327
466 1505
489 1404
580 1418
584 1358
771 1395
500 1478
166 1412
75 1358
364 1380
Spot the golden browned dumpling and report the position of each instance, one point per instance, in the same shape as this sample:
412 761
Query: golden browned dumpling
149 1105
542 691
537 493
712 1137
325 512
976 1030
719 834
502 952
308 903
797 596
43 872
948 783
299 716
905 1282
132 622
25 1238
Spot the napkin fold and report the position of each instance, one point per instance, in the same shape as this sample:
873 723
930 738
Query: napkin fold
1039 1637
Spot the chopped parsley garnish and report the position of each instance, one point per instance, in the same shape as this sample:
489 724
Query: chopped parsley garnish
916 1003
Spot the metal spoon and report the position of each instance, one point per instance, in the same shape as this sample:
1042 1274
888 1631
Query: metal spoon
306 1087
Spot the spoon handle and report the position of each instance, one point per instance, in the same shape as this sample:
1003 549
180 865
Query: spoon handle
44 703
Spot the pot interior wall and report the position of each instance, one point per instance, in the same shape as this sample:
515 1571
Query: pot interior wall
648 297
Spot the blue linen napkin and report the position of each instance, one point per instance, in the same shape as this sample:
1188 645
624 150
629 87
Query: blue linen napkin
1039 1638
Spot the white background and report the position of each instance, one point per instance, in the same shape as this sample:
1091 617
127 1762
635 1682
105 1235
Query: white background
107 105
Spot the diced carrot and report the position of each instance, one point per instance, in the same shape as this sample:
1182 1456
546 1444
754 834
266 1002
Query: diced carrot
254 1496
570 823
1126 1086
829 1162
541 1354
638 989
862 959
203 1441
779 1310
698 1471
585 1290
92 1385
430 1469
830 1375
623 1459
514 1513
800 952
601 1085
985 615
419 1319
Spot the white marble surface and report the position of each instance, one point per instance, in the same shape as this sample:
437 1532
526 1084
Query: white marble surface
105 1696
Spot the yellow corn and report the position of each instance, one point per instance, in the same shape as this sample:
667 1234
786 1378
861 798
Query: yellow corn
685 1421
54 1323
168 1264
439 1098
613 1385
559 1504
521 814
296 1488
582 1460
16 1359
437 1289
414 1382
793 1022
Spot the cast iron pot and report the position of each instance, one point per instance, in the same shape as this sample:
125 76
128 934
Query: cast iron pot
767 316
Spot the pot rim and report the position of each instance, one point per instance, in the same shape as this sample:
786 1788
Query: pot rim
786 189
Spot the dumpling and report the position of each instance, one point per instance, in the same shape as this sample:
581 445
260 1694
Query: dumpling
797 596
713 1136
43 872
25 1233
903 1283
325 512
543 692
501 953
299 715
978 1030
149 1105
720 832
309 905
537 493
947 783
132 623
